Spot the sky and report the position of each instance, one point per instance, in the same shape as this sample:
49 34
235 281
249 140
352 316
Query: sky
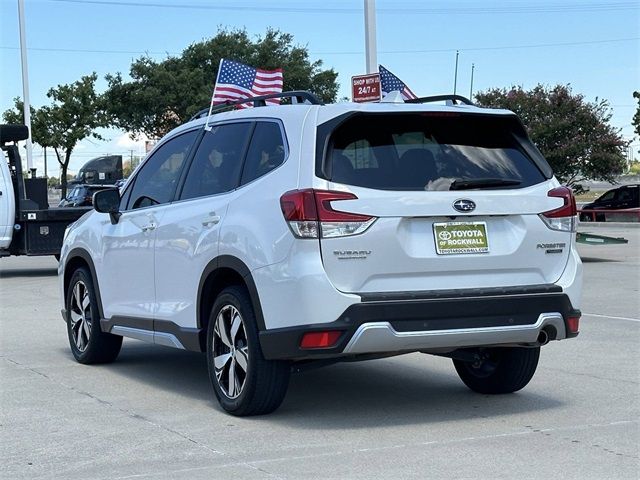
594 45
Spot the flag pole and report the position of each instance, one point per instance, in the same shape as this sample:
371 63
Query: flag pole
473 67
206 125
455 76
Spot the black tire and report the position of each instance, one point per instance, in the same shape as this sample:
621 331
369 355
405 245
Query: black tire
84 320
261 387
501 370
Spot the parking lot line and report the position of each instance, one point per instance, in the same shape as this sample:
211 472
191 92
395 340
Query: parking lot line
611 316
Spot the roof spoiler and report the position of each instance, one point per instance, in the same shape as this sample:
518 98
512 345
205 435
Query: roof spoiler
438 98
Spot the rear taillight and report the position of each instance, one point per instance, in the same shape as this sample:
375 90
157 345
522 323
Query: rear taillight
563 218
573 323
325 339
310 214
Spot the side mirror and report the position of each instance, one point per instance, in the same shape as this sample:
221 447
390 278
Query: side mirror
108 201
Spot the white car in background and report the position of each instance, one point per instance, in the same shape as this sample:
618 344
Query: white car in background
283 236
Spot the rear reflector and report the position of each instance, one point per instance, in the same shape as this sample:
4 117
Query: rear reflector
563 218
310 214
573 324
320 339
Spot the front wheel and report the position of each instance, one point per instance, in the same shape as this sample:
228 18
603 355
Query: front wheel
89 344
499 370
243 381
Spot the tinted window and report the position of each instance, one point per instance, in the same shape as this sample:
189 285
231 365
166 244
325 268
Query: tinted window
156 181
427 152
266 151
124 198
218 161
607 196
624 195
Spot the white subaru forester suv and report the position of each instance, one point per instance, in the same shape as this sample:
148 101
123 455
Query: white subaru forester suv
280 237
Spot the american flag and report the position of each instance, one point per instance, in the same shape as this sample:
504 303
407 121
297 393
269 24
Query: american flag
390 83
237 81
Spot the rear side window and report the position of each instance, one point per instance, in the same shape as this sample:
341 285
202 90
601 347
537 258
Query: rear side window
266 152
156 181
428 152
217 163
608 196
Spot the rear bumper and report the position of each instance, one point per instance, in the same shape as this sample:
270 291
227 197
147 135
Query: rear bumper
443 321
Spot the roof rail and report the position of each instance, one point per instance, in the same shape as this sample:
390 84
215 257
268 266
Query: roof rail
296 96
439 98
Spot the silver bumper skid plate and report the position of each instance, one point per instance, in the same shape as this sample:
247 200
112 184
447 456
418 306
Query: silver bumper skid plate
381 337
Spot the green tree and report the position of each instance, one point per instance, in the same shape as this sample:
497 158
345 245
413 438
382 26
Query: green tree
76 111
164 94
53 182
41 132
636 116
574 135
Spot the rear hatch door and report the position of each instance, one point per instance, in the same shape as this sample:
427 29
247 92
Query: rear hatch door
457 199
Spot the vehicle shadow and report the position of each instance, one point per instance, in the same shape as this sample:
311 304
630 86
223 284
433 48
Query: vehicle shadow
169 369
393 392
28 272
358 395
598 260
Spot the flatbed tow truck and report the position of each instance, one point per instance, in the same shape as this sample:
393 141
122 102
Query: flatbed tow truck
27 225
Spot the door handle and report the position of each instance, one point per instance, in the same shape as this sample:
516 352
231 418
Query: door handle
150 227
211 220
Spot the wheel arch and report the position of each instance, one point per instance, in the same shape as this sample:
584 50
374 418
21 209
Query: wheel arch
222 272
77 258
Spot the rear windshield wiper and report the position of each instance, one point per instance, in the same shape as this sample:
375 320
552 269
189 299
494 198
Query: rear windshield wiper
483 183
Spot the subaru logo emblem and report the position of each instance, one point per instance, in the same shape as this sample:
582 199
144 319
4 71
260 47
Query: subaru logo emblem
464 205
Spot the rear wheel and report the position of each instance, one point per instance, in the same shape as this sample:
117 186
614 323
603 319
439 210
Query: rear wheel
89 344
499 370
243 381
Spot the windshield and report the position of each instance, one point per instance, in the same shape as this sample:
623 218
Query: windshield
430 152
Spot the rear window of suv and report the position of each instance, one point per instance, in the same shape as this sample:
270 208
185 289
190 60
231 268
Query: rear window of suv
430 151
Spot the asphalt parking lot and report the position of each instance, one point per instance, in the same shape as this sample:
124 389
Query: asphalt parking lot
152 413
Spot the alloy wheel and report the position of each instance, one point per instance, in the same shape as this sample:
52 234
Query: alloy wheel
230 351
80 316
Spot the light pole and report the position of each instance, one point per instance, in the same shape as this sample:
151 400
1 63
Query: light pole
25 86
370 46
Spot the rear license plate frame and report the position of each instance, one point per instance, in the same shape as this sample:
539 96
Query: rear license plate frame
448 241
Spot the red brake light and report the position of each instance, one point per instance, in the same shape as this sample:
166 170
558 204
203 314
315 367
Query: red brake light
320 339
299 205
569 208
573 323
309 213
326 213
